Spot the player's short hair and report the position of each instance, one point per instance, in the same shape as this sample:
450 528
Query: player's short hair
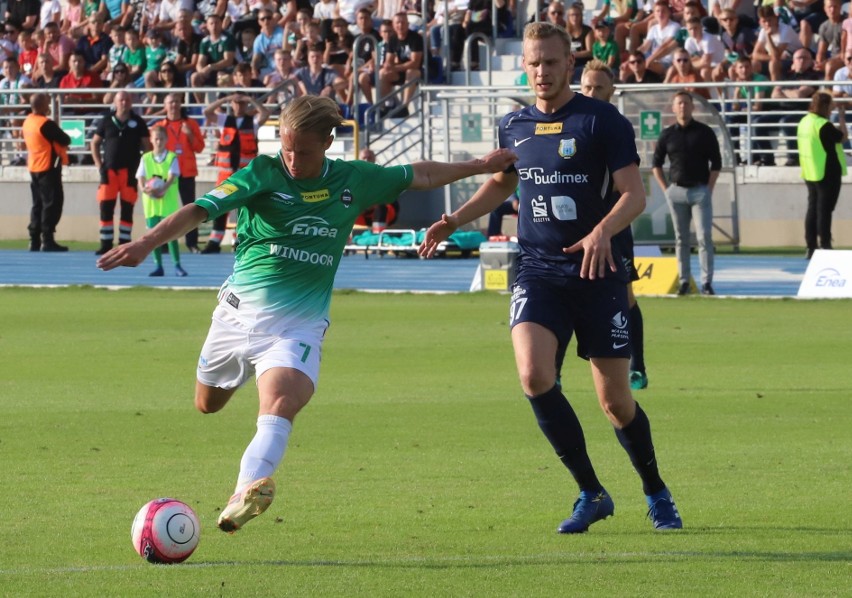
545 30
158 130
601 67
312 113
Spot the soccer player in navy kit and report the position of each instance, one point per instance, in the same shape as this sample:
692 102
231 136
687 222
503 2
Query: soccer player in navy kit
571 279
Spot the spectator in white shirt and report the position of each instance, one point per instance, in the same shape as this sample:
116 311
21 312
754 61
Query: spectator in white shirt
775 45
842 87
660 42
705 49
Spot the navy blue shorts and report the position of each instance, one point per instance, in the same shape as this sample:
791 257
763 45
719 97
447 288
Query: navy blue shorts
595 310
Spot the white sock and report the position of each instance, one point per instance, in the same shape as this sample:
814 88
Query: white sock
265 451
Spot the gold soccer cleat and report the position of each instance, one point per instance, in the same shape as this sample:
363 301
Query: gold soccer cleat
246 505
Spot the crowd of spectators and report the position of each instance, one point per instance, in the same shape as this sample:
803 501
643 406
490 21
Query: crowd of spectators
153 45
680 41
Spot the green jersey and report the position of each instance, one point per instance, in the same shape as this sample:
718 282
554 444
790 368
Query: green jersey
215 51
292 233
154 57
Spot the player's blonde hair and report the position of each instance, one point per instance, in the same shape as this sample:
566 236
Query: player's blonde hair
312 113
601 67
544 30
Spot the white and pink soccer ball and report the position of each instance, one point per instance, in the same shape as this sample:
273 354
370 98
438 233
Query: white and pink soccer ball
155 186
165 530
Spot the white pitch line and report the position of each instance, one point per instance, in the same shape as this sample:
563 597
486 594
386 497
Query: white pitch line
414 560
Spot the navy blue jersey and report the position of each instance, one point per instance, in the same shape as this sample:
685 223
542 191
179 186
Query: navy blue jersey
565 165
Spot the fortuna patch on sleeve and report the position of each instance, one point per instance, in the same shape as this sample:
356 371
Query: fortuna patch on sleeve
223 190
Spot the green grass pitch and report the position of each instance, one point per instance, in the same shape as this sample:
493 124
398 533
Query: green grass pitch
418 468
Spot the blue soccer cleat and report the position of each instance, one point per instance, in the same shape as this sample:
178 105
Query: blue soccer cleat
180 272
590 507
662 511
638 380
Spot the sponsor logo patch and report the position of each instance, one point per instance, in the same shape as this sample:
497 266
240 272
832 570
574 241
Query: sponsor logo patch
311 226
315 196
223 190
548 128
539 209
618 333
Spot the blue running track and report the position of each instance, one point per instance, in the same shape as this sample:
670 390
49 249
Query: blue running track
736 275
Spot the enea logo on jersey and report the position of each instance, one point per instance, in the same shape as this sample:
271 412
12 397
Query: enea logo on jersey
311 226
567 148
315 196
223 190
346 198
548 128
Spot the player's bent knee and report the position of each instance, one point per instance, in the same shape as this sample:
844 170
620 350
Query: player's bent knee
209 399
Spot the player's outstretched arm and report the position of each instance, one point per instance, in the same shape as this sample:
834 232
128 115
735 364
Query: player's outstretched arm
431 175
597 245
490 195
173 227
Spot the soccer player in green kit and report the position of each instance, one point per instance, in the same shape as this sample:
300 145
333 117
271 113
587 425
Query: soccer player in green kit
295 213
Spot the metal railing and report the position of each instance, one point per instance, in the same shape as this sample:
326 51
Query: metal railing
80 119
758 134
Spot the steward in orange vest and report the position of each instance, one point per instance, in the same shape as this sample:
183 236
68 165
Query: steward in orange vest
237 147
47 150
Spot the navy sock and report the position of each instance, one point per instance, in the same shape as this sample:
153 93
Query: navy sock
637 340
561 427
636 440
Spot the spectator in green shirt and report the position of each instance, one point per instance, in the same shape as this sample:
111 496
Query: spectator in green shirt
155 56
604 47
134 56
216 54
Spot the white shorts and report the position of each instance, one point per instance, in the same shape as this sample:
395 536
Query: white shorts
232 352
